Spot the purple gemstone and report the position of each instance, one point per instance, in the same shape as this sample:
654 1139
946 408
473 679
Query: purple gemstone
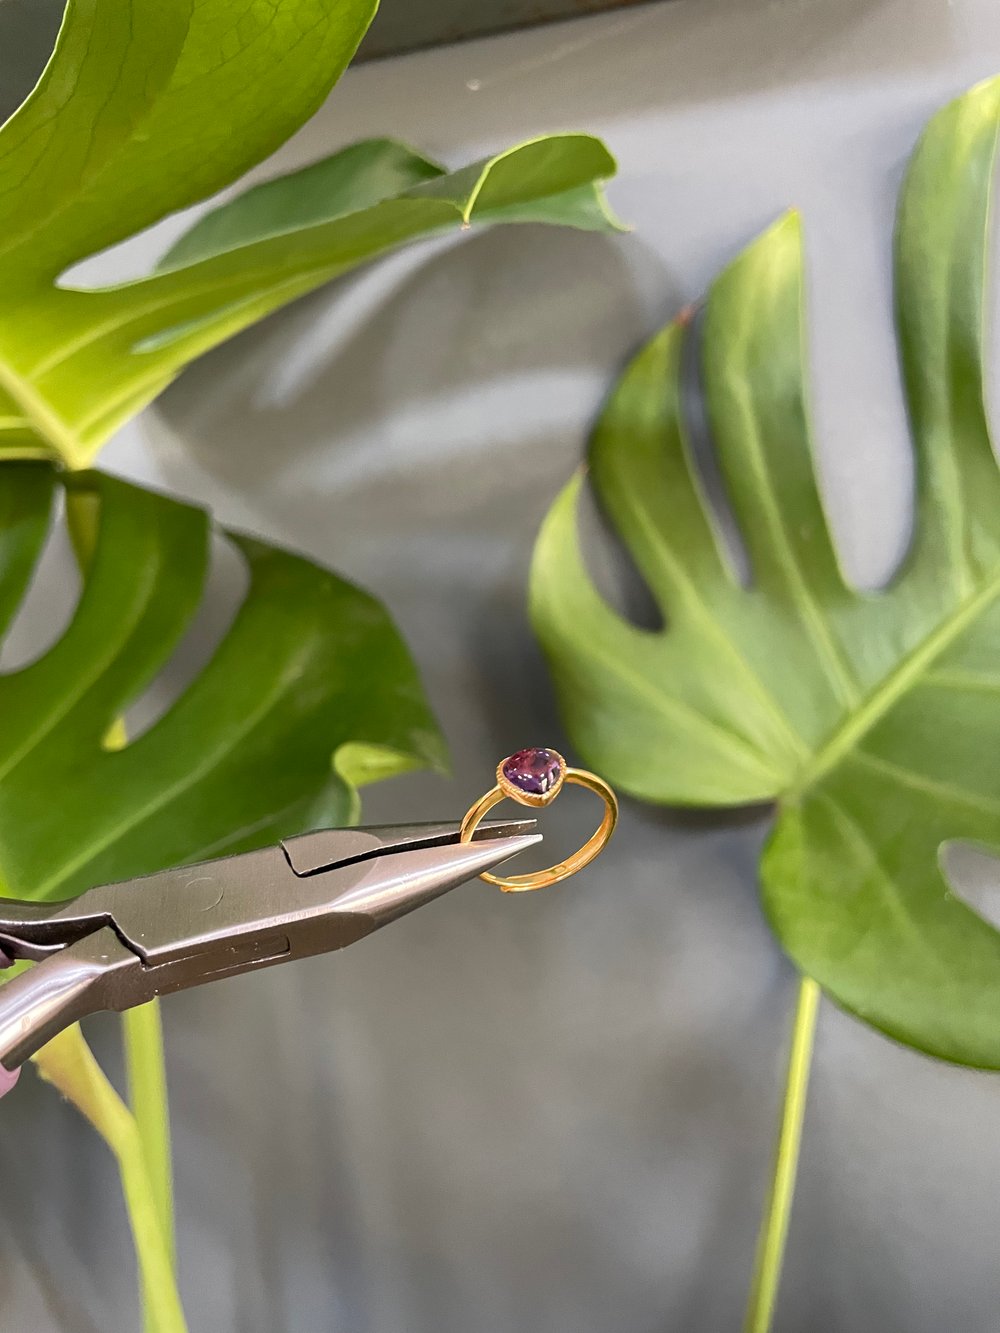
535 771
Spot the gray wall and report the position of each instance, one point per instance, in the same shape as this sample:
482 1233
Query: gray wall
549 1115
418 23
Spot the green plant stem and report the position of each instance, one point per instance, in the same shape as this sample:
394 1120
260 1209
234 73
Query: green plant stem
68 1063
142 1032
774 1223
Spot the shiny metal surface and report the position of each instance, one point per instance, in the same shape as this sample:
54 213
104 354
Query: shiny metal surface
120 945
322 847
81 979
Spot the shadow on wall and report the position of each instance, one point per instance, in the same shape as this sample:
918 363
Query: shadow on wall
410 429
335 396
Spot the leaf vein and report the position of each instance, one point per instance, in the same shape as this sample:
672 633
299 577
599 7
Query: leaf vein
894 685
917 781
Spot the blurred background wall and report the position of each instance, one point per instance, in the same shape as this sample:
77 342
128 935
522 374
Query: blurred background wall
549 1115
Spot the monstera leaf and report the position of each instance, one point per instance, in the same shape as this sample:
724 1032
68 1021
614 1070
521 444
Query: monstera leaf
309 671
146 108
872 719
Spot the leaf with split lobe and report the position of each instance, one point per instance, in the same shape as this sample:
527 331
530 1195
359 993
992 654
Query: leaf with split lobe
145 109
310 668
871 719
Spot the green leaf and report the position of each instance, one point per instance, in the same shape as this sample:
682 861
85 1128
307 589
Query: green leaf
872 719
356 178
145 109
309 665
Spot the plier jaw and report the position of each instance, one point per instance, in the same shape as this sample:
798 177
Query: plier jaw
119 945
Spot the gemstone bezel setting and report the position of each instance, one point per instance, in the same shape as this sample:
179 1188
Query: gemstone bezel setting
530 798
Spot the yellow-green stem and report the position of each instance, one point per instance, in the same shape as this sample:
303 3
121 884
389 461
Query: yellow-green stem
774 1223
142 1031
67 1062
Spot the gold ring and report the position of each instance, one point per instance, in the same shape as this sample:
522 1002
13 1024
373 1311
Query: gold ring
536 777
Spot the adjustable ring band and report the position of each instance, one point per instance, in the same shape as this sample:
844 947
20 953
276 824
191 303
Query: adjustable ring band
535 778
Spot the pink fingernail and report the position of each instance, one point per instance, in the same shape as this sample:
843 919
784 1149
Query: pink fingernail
7 1077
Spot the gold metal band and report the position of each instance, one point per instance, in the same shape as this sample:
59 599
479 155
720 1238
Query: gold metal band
541 879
